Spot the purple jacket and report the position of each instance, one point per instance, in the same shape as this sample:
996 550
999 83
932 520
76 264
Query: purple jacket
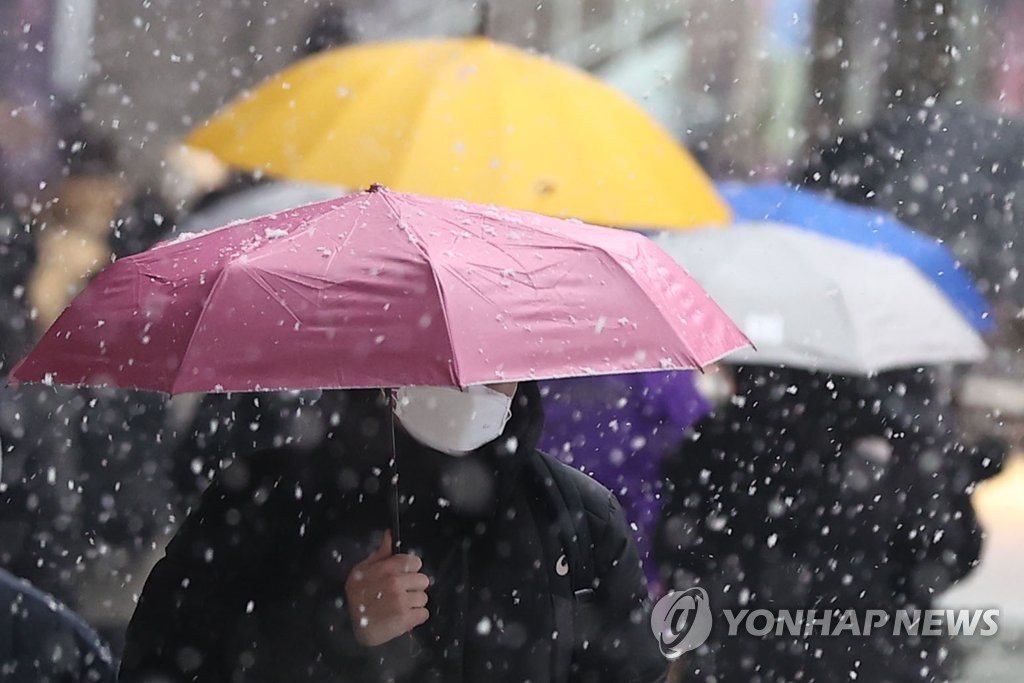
617 428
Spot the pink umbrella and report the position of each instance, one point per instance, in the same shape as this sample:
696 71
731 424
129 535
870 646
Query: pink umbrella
382 289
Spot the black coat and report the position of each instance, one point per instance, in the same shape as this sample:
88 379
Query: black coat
252 587
42 641
817 492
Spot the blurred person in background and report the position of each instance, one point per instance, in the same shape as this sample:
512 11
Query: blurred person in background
85 487
30 162
816 491
42 641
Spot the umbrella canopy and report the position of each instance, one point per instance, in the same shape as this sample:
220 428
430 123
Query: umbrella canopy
823 304
872 228
381 289
471 119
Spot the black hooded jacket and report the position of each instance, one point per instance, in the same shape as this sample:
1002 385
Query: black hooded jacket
820 492
252 587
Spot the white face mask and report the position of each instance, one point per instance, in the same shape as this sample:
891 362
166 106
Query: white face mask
450 420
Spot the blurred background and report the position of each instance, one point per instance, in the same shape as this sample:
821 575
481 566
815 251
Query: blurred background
95 95
746 83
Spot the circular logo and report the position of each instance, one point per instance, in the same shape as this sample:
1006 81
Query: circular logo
681 621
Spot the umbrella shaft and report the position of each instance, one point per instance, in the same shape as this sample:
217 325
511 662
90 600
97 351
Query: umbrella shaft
395 527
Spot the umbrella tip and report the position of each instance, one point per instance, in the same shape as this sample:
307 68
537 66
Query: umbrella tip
377 187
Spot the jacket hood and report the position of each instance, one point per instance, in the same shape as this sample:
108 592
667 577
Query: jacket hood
435 483
473 485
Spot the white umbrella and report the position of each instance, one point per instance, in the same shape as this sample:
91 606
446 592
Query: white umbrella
810 301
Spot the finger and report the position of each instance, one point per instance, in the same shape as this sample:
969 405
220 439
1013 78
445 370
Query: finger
398 584
414 599
383 551
401 564
415 617
413 582
401 583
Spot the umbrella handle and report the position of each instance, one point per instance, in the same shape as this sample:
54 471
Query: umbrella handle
396 533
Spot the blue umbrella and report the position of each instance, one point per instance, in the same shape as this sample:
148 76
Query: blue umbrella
866 227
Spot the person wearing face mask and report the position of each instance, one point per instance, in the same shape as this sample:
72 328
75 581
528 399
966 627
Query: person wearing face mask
423 539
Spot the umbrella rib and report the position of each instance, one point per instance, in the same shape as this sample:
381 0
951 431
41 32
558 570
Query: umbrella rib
421 246
260 280
484 218
456 375
199 321
661 315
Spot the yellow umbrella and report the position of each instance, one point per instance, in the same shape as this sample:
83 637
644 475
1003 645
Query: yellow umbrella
466 118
